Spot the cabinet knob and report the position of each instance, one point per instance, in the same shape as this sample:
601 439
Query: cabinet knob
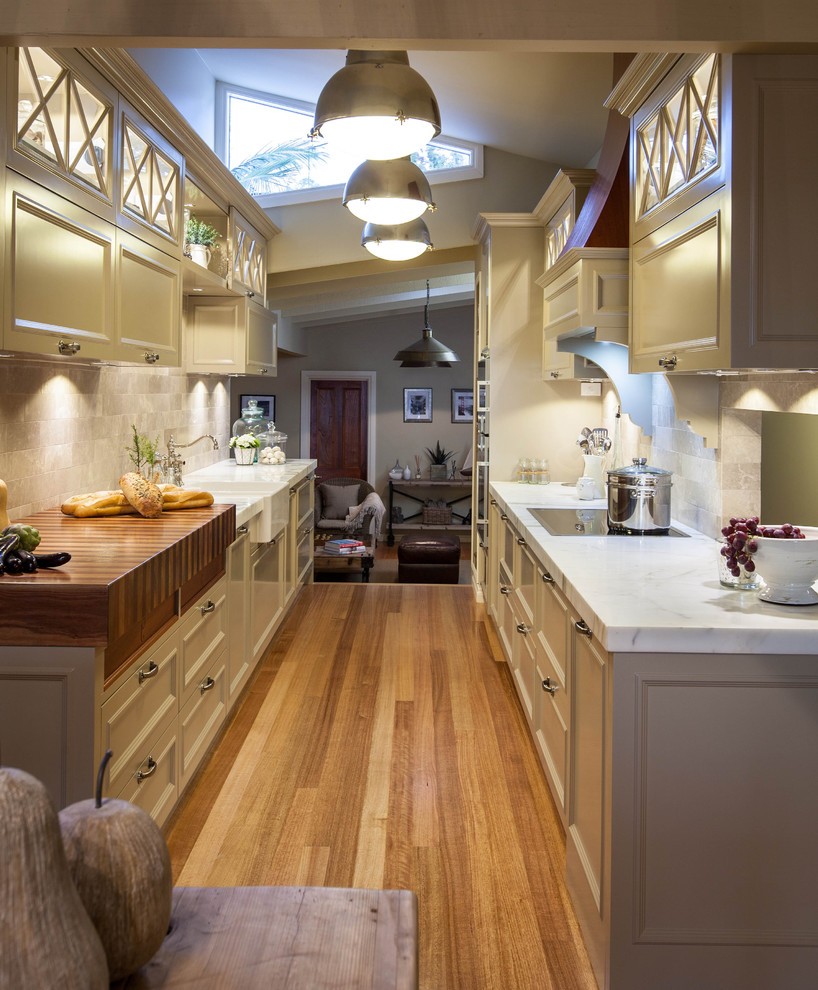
582 628
249 293
549 687
555 374
150 671
492 501
207 684
505 590
68 347
547 577
503 516
262 371
522 628
521 541
668 363
151 765
208 607
151 357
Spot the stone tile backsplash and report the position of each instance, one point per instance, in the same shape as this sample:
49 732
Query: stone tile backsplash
64 429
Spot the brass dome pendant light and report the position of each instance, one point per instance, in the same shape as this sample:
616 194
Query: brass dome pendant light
426 352
388 192
377 107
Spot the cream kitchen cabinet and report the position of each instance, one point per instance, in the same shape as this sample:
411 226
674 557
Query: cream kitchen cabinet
248 248
62 126
229 336
148 303
237 566
300 535
59 275
267 595
724 210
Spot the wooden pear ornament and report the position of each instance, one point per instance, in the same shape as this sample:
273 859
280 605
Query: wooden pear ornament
120 865
46 938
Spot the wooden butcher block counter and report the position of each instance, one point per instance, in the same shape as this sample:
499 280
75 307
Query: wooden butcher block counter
127 578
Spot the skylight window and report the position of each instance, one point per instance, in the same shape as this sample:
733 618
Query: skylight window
263 140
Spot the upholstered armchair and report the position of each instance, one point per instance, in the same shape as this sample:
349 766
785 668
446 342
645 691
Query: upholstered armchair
335 497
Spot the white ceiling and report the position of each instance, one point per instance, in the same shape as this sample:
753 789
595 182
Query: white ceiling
542 105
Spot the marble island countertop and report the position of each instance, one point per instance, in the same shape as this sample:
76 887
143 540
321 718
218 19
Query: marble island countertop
654 594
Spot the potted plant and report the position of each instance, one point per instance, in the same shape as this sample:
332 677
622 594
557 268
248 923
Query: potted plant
245 447
144 454
200 236
438 458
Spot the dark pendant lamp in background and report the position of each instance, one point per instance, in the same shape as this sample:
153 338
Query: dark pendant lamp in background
388 192
397 242
377 107
426 352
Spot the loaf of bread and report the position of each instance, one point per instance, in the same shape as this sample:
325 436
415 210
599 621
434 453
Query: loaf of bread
114 503
143 495
104 503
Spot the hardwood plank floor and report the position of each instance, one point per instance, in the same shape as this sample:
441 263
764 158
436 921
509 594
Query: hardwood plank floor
382 745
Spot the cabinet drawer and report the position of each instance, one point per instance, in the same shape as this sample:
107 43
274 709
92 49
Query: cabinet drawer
553 625
141 708
202 635
551 715
201 718
154 782
524 665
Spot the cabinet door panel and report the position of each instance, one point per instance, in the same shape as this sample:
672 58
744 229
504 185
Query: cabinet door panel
249 252
261 344
200 719
203 634
154 782
681 290
60 276
267 585
149 303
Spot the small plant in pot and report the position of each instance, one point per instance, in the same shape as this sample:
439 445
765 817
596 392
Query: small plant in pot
439 458
244 447
200 236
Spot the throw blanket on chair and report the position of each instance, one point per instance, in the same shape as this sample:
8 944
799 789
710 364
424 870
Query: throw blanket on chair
372 506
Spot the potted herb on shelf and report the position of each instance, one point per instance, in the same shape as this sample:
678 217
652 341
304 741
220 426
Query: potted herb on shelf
200 236
245 447
439 458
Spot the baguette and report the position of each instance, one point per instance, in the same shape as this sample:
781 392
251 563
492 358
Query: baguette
143 495
183 498
100 500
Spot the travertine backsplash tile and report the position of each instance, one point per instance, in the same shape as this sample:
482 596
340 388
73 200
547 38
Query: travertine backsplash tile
64 429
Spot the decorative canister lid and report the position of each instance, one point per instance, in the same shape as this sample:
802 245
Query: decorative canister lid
640 473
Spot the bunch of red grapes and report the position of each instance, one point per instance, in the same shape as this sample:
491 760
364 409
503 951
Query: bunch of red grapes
741 538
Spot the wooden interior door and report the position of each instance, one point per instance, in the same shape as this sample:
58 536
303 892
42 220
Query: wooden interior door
339 411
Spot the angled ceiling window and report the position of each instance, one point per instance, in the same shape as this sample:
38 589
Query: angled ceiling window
263 140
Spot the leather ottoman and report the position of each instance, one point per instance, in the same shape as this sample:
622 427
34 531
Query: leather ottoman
425 559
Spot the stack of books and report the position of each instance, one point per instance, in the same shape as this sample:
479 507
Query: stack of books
344 547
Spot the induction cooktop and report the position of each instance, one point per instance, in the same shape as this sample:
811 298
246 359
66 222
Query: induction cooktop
586 522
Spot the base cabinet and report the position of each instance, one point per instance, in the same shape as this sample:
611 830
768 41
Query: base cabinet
266 592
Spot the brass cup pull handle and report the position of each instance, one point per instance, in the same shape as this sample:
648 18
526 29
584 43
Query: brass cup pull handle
503 516
143 774
583 628
146 673
668 363
68 347
492 501
522 628
505 590
549 687
151 357
249 293
547 577
241 530
521 541
208 607
207 684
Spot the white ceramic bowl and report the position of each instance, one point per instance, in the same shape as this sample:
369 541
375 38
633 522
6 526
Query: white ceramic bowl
789 568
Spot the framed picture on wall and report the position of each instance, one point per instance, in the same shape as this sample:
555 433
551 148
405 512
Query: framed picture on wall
417 405
462 405
267 404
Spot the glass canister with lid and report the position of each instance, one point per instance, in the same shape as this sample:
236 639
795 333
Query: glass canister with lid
251 421
273 446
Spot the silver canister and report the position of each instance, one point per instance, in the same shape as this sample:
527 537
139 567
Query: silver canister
639 498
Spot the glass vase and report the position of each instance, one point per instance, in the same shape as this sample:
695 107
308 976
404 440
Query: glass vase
744 581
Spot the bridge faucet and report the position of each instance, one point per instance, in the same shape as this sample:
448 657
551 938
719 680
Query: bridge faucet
172 463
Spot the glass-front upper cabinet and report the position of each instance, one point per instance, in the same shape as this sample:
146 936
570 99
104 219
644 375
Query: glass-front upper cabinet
150 184
677 142
62 124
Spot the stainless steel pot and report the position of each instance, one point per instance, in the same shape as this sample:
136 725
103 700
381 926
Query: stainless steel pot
639 498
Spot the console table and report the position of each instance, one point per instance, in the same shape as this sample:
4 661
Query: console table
434 489
285 938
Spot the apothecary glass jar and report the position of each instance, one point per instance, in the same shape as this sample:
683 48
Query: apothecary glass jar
743 581
250 421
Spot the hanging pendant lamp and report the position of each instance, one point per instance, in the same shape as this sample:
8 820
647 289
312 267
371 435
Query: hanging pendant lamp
397 242
388 192
377 107
426 352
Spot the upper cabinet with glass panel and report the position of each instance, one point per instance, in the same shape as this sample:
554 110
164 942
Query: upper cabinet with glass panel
150 184
677 145
63 125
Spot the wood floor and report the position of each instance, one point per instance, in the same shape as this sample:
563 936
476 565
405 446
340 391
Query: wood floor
382 745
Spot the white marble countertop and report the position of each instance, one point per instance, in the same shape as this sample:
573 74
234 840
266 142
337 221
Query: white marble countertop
654 594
